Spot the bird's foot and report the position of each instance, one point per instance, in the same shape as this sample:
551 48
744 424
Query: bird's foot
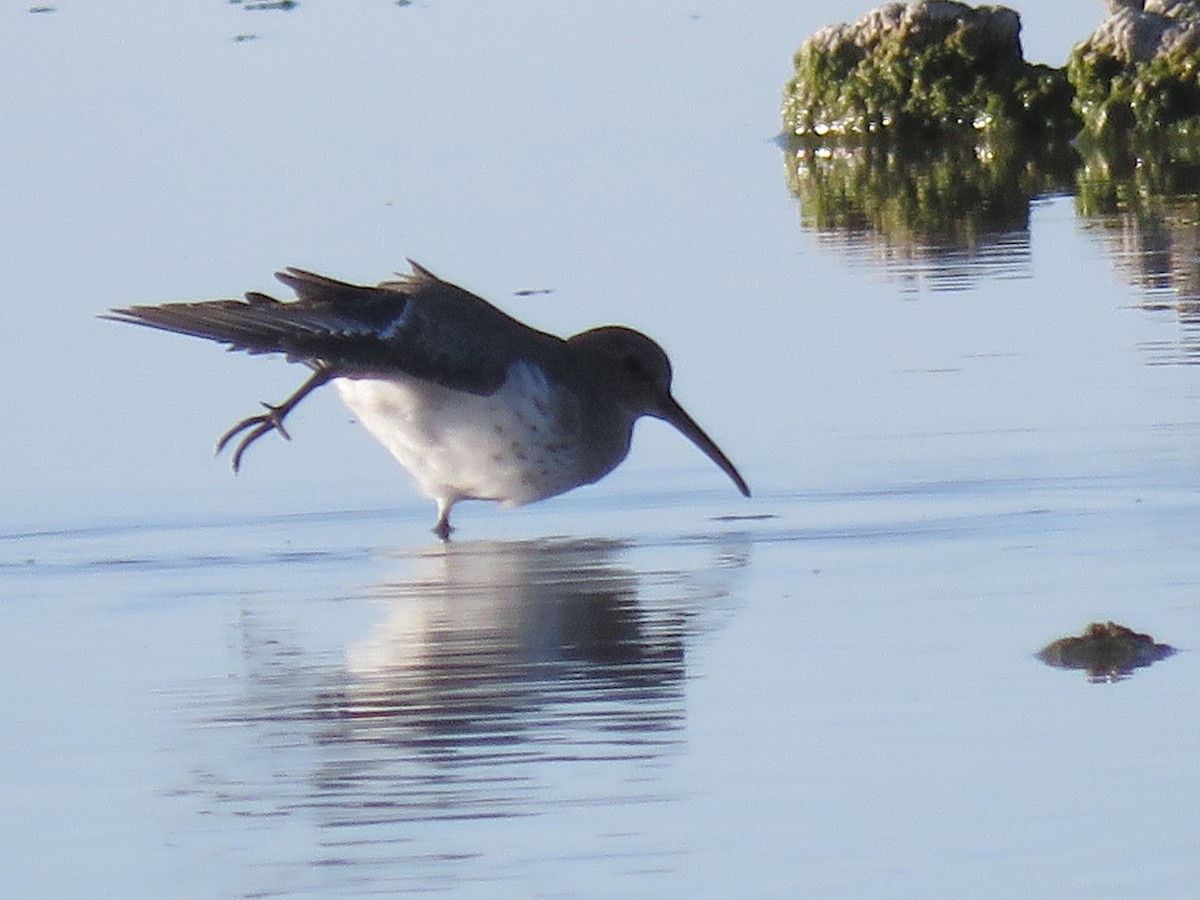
264 423
272 420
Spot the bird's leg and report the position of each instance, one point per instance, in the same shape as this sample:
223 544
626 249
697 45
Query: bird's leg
442 529
272 419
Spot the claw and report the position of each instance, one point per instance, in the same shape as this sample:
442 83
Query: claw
271 420
240 426
249 439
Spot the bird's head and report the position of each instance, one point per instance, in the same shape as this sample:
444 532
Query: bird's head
634 371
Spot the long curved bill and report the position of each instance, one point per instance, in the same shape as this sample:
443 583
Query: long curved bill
672 412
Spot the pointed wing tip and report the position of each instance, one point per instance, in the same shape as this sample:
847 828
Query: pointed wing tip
130 314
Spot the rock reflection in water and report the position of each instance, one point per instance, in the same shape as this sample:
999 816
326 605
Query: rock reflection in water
937 216
948 215
1142 205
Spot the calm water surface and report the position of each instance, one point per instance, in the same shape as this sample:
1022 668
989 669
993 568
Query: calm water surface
968 434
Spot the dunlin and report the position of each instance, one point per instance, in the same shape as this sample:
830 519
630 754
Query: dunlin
474 404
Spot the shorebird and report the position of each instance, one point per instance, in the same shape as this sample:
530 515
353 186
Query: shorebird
473 403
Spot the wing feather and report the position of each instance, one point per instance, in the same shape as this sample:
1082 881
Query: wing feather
418 325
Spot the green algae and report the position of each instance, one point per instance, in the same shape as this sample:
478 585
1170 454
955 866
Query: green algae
925 125
1115 98
947 76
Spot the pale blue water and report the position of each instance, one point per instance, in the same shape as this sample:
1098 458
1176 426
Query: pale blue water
280 684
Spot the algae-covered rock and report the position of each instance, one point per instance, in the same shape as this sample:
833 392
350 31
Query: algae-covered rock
924 68
1106 651
1140 71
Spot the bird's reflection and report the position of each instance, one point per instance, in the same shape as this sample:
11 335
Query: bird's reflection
498 671
497 637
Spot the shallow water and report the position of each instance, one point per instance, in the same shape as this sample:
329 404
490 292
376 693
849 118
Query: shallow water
962 446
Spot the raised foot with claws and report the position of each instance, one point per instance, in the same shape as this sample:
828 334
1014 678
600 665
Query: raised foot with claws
271 420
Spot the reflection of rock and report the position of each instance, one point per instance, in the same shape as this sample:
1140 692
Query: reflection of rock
938 211
945 213
1107 651
1138 71
924 67
1144 209
1157 250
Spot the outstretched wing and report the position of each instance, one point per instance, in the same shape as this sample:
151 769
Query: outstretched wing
418 325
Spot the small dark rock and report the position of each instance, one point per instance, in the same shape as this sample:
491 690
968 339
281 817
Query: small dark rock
1107 651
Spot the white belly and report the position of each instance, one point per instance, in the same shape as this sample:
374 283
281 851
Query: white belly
515 446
